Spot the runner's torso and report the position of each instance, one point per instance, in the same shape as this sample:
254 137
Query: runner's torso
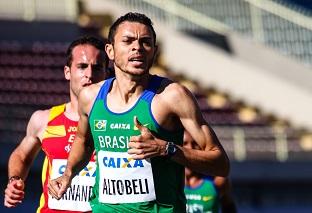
125 184
202 199
56 143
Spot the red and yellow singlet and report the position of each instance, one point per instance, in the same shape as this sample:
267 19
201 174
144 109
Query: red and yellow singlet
56 143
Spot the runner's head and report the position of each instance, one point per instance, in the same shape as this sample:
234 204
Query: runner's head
86 63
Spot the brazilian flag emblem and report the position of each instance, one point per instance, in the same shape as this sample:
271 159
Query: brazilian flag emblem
100 125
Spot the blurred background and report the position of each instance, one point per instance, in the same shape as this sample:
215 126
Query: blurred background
248 63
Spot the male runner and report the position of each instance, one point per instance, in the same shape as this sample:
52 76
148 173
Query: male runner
137 122
206 194
54 130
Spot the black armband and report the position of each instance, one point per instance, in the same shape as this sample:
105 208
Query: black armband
14 177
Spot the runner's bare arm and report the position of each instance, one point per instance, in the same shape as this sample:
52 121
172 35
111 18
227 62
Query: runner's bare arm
80 152
22 158
82 148
211 159
178 101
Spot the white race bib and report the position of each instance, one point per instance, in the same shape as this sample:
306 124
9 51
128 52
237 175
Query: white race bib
123 179
77 195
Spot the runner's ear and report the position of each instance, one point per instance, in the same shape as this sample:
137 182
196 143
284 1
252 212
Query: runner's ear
109 51
67 72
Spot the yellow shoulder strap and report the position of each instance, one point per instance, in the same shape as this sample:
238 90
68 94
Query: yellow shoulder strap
55 131
56 110
43 179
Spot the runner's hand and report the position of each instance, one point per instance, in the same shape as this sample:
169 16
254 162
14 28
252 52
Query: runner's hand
14 193
145 145
57 187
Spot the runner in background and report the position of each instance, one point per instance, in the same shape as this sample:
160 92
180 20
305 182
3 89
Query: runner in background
206 194
54 130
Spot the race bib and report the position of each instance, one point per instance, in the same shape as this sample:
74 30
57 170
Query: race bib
77 195
123 179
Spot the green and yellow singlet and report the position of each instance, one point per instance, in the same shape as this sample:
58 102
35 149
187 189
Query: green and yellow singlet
122 183
203 198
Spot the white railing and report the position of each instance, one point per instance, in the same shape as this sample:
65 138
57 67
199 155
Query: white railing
265 21
283 12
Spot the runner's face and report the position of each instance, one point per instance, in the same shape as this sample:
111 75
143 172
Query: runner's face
133 50
87 67
189 142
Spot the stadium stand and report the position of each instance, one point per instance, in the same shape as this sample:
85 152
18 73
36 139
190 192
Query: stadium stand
31 78
266 151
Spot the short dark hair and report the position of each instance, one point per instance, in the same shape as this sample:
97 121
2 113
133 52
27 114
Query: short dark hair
131 17
91 40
